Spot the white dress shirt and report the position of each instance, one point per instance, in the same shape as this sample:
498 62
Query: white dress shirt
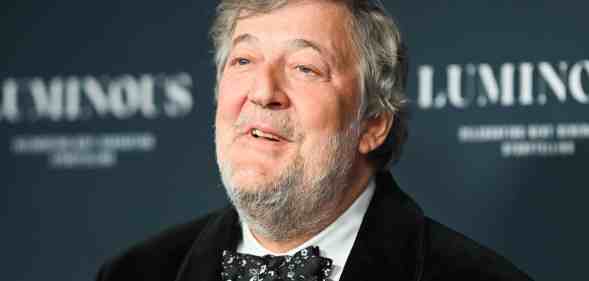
335 241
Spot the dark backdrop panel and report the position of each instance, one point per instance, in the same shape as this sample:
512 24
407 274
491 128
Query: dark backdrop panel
62 220
527 202
106 127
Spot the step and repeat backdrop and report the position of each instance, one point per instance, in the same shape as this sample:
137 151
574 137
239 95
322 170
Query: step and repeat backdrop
106 128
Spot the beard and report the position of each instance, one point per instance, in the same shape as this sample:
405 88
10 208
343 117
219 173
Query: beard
303 197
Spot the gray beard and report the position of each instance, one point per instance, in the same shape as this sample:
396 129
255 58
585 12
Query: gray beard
296 203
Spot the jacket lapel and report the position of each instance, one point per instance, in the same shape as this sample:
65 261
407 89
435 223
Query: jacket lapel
390 240
203 261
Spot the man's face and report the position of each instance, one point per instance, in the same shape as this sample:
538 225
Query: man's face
288 98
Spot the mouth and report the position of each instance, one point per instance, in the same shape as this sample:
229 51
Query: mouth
265 133
257 133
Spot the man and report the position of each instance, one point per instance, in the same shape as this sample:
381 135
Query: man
310 113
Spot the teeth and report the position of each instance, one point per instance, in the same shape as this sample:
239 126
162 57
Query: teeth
258 133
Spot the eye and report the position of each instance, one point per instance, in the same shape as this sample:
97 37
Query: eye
240 61
306 70
240 64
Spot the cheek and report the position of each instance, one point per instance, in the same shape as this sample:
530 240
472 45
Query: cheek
326 111
232 95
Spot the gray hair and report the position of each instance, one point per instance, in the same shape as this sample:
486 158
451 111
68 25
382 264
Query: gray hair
383 62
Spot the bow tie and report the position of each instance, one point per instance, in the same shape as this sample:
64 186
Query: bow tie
306 265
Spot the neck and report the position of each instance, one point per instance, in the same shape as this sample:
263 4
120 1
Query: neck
358 183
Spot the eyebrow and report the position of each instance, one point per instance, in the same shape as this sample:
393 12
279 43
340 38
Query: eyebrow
299 43
294 45
245 38
303 43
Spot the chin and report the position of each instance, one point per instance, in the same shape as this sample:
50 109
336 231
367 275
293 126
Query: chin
250 181
252 178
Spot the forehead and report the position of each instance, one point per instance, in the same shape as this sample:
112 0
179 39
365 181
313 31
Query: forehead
325 23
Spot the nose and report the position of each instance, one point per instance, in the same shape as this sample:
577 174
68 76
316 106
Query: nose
267 90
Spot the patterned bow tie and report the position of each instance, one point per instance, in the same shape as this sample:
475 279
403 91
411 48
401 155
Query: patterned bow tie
306 265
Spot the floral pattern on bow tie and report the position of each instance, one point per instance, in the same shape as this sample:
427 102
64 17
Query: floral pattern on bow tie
305 265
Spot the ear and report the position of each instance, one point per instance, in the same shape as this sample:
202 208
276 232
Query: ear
375 131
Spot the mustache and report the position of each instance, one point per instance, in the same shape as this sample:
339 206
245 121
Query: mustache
280 122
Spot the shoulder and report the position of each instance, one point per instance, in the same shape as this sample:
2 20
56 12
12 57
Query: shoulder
158 257
450 254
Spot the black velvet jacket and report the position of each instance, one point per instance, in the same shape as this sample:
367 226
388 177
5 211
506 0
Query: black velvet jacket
396 242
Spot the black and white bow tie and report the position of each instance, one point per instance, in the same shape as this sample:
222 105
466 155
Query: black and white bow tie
306 265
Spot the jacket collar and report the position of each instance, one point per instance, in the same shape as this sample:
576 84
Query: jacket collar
203 261
389 243
390 240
